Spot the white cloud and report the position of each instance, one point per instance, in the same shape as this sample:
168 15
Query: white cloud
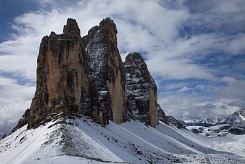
233 90
199 107
176 67
184 89
228 6
14 100
236 45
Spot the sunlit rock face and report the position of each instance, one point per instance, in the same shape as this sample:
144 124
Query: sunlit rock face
61 75
85 76
81 76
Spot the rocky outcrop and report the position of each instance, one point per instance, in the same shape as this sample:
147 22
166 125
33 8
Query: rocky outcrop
80 76
179 124
85 76
161 115
141 90
23 121
61 75
106 76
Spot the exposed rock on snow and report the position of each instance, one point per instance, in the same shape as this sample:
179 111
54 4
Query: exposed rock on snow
80 140
175 122
161 115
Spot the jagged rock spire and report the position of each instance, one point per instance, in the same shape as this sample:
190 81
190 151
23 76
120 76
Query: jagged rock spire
106 72
86 76
61 75
71 27
141 90
109 23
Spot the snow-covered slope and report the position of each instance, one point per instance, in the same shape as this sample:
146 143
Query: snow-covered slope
2 136
79 140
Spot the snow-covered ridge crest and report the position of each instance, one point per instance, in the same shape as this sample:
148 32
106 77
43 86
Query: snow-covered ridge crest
76 140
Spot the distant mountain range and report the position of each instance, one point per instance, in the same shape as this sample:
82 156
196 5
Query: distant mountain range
234 124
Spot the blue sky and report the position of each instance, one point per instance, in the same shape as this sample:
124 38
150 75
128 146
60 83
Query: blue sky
194 49
9 10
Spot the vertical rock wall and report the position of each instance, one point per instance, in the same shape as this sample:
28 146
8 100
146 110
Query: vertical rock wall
61 75
141 90
106 72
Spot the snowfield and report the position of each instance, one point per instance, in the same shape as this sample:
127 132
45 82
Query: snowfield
80 140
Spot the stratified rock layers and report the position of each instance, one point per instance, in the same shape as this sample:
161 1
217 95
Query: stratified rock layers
85 76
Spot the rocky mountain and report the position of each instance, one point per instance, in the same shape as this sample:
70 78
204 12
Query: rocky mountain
141 90
85 76
234 124
90 107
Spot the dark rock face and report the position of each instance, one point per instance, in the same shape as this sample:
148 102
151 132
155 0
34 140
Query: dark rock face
106 76
141 90
161 115
85 76
23 121
177 123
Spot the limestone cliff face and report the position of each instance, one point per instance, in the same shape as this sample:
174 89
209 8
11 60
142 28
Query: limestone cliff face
85 76
61 75
141 90
82 76
106 72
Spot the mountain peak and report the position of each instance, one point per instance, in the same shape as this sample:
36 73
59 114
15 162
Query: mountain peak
108 22
86 77
71 27
142 90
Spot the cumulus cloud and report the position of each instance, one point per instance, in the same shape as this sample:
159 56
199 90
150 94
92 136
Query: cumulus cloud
14 99
197 107
181 40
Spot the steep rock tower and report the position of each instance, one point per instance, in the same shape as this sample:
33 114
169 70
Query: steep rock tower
141 90
106 76
61 75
